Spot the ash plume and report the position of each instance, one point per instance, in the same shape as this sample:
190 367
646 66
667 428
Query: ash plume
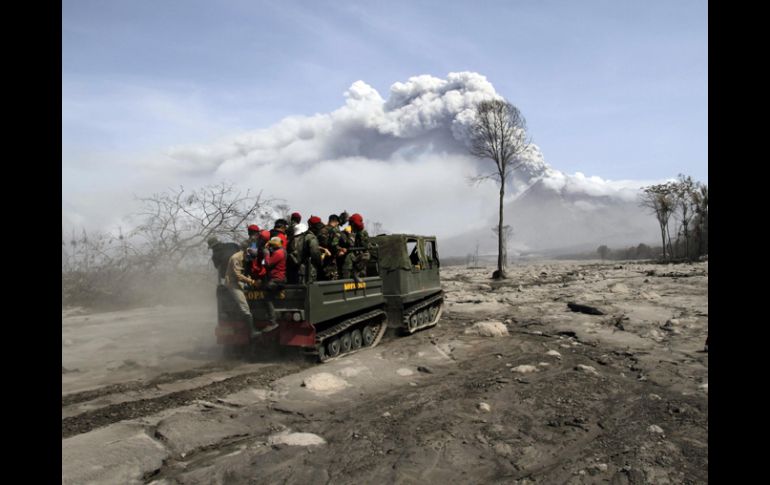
401 160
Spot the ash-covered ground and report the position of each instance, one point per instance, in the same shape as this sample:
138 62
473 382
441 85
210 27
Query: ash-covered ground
510 387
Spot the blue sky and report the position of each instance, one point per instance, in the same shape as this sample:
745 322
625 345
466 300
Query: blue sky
612 89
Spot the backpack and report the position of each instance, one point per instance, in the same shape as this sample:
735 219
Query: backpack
295 251
221 254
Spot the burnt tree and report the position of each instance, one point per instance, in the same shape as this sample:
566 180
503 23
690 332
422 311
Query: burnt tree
499 134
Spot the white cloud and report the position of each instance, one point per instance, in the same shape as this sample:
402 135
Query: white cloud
578 183
425 114
402 161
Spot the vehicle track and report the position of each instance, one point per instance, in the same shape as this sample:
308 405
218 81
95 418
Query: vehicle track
91 394
97 418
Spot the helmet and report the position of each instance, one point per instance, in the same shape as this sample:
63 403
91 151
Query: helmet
300 228
357 221
275 242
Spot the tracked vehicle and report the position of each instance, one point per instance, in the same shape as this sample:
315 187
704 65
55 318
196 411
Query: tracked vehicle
330 319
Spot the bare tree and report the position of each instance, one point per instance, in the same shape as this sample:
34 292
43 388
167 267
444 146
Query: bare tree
659 199
701 201
684 196
499 133
284 211
170 233
643 251
376 227
507 234
473 258
603 251
176 222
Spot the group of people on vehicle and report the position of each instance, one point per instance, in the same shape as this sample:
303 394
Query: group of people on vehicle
294 253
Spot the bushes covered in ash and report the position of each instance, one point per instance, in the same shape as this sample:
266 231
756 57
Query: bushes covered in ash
104 289
164 258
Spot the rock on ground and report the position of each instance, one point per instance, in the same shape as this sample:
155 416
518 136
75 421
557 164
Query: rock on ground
490 328
524 369
586 368
654 428
130 455
350 371
324 382
295 439
619 288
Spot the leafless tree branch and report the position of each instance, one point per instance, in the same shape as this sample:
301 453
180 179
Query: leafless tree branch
499 134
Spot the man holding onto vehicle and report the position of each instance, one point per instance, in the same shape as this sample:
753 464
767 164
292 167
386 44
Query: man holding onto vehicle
275 264
220 255
236 281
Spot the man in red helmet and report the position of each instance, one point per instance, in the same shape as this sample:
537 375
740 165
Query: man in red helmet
253 243
354 265
257 255
253 231
305 255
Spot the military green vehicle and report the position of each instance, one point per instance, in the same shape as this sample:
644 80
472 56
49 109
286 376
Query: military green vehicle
401 291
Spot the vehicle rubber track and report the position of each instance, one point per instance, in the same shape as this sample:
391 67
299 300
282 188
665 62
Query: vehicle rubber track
377 327
419 316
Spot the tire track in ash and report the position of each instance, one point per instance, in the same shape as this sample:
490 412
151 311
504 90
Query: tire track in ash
91 394
97 418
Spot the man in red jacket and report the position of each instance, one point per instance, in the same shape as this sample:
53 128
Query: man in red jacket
279 230
257 255
275 264
253 231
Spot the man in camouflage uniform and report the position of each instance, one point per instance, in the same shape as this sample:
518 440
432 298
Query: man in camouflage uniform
343 217
294 220
329 238
293 250
354 264
345 241
307 254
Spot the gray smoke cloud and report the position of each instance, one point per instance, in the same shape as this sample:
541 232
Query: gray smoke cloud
402 161
421 116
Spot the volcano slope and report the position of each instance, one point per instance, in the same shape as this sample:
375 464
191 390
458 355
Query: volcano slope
512 386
